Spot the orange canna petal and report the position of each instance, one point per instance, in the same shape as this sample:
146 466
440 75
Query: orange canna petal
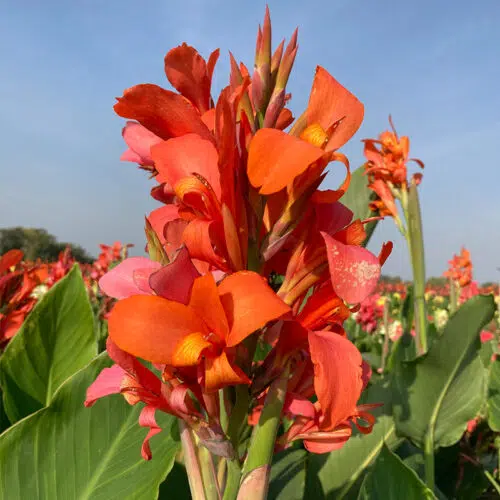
249 303
276 158
189 349
337 376
153 328
206 303
219 373
330 103
161 111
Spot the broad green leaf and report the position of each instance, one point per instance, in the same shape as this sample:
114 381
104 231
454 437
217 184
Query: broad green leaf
494 396
357 198
177 481
288 475
336 475
55 341
441 391
66 451
390 479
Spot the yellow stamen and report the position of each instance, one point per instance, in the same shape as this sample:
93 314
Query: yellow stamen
315 134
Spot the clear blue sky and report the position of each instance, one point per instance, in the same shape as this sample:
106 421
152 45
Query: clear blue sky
435 65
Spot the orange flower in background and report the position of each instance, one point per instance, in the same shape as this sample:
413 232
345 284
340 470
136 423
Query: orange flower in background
387 170
460 268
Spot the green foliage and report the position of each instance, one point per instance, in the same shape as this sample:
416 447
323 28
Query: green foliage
437 394
55 341
288 475
390 479
37 243
66 451
494 396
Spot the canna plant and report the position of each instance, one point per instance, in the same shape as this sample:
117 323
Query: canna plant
230 370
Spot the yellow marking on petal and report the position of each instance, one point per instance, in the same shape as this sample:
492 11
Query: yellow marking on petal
189 349
315 134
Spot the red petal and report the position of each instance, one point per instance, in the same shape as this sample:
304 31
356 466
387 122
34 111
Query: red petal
147 419
337 376
354 271
187 71
174 281
184 156
161 111
10 259
325 442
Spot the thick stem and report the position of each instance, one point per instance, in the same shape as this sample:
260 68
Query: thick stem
429 458
191 462
416 249
232 480
453 296
209 474
257 467
385 348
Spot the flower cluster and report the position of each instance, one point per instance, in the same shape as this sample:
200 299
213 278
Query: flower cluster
22 284
460 268
245 250
386 166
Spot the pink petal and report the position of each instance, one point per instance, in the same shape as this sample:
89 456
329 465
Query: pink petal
139 139
354 271
107 382
119 283
174 281
147 419
297 405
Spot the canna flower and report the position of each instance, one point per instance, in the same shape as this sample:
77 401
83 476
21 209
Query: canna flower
460 268
202 332
386 167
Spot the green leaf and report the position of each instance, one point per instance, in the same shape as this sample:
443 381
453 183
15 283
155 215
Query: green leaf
357 198
441 391
336 475
288 475
390 479
66 451
55 341
177 481
494 396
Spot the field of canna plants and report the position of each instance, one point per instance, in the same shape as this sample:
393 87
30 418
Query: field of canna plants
253 351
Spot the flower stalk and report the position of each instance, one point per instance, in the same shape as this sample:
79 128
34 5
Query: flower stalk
257 466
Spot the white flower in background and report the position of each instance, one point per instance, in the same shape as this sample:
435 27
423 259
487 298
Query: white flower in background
440 318
39 291
395 330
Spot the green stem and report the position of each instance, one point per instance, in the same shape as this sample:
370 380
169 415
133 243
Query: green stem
232 480
191 462
385 348
257 466
209 475
453 296
429 458
416 249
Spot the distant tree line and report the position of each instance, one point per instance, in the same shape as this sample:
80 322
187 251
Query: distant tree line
37 243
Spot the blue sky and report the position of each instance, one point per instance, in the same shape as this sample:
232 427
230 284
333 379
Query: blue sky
433 65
